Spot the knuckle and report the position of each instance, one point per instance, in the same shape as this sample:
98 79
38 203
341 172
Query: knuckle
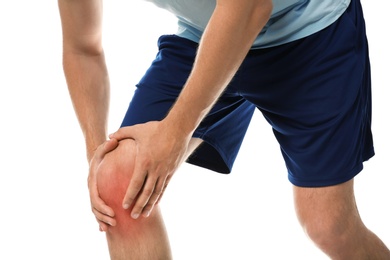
145 162
137 183
157 191
138 209
148 192
129 199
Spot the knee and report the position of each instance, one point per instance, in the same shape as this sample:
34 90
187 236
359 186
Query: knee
330 218
113 177
328 232
115 171
325 232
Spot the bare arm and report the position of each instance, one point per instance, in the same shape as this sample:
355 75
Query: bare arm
227 39
88 84
85 68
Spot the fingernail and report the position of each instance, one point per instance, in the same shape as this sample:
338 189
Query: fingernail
134 215
147 213
126 206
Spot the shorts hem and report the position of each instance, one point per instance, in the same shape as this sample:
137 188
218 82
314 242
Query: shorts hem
324 183
216 160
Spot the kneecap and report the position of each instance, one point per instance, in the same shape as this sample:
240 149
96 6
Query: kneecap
113 177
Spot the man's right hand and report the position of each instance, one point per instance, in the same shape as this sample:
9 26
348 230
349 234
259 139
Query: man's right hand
103 213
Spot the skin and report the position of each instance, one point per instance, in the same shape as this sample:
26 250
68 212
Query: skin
237 23
145 238
330 218
234 22
328 215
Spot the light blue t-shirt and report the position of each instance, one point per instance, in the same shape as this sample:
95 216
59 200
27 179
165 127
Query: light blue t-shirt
290 19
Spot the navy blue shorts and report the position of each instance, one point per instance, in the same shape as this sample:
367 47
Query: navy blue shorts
315 92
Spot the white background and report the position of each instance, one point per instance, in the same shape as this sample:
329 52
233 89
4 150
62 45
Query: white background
45 211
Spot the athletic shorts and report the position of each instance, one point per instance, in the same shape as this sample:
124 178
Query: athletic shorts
315 93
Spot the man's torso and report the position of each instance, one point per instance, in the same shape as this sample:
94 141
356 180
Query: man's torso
290 19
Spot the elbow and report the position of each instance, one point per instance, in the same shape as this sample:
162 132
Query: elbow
268 6
89 45
90 51
251 14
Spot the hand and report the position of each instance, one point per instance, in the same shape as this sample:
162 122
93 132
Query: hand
160 151
104 214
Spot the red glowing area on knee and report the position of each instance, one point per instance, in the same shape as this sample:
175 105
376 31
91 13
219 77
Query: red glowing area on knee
113 178
112 190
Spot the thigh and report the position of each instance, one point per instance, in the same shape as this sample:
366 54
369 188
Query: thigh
330 218
316 94
324 206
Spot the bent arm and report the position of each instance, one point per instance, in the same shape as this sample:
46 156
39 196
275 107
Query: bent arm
227 39
85 68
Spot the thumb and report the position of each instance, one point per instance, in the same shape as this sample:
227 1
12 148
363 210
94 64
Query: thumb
105 148
126 132
109 145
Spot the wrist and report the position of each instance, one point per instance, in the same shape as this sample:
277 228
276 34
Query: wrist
179 126
91 147
186 114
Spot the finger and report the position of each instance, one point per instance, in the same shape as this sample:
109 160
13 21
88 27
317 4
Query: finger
156 194
103 218
107 147
103 149
99 204
103 213
135 186
164 188
103 227
110 145
143 197
103 208
124 132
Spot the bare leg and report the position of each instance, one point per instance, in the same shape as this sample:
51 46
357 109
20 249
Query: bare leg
330 218
144 238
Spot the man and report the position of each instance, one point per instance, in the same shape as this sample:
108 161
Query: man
304 64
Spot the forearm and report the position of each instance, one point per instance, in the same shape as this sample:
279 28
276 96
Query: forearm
88 85
85 68
225 43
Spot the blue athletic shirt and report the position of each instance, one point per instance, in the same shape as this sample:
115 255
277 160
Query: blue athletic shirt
290 19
